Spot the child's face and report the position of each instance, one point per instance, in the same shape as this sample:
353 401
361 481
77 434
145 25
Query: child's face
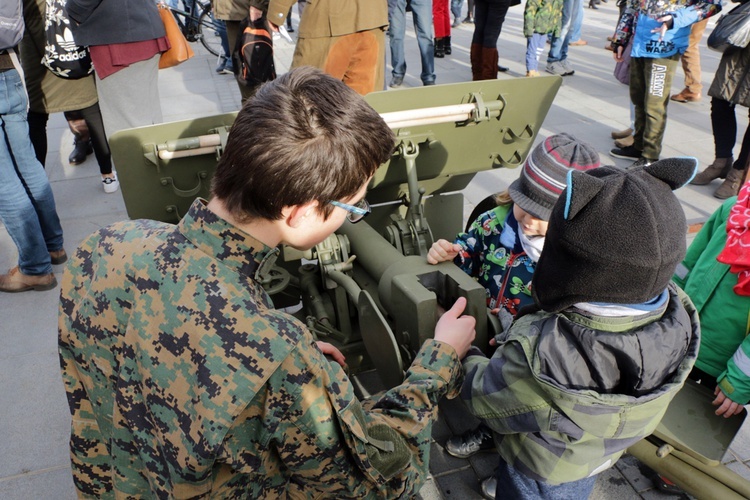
530 225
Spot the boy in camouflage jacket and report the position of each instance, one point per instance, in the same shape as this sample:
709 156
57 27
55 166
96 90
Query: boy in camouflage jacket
592 369
182 379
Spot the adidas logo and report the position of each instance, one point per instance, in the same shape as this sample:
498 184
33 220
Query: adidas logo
66 42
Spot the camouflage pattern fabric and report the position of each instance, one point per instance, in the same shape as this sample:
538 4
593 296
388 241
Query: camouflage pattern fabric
184 382
555 434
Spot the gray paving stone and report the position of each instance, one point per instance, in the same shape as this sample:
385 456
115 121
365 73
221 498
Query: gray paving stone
52 484
637 474
612 485
460 485
441 461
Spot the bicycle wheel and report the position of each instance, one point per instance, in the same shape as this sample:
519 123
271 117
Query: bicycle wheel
210 31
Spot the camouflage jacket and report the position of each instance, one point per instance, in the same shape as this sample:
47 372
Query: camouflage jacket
184 382
542 16
567 393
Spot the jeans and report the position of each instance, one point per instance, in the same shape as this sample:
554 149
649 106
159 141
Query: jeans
221 29
724 126
422 15
577 25
456 6
559 46
513 484
27 206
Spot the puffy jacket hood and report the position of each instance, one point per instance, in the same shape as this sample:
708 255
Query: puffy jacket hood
591 375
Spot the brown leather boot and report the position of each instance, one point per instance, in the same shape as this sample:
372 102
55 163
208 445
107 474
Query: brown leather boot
58 257
475 56
16 281
730 186
489 63
625 142
621 134
717 170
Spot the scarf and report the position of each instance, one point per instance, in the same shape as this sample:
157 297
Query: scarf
736 252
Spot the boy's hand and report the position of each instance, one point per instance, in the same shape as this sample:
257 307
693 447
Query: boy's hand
666 23
330 350
617 53
726 406
455 330
441 251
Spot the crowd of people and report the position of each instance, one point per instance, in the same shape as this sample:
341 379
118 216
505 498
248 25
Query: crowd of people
176 389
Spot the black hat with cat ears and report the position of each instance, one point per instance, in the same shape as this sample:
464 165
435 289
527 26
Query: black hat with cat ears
614 236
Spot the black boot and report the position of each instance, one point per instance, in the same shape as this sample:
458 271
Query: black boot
81 149
439 49
447 46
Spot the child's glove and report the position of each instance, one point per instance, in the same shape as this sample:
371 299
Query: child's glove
441 251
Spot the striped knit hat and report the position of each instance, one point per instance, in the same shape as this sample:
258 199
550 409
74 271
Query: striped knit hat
544 173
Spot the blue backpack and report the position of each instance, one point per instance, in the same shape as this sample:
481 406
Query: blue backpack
11 23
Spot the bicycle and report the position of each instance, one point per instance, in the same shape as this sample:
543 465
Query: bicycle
198 25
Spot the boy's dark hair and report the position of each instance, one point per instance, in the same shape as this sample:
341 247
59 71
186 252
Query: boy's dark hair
302 137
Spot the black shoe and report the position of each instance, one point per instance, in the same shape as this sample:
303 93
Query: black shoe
396 81
641 162
470 443
81 149
629 153
447 46
502 69
439 48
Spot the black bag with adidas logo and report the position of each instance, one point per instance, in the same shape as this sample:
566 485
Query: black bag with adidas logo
62 55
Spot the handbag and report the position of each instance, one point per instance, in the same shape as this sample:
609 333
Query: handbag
252 57
62 56
179 48
622 68
732 31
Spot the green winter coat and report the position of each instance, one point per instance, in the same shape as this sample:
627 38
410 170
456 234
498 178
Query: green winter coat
567 393
724 315
542 16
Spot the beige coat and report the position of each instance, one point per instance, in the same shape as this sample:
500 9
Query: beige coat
327 18
49 93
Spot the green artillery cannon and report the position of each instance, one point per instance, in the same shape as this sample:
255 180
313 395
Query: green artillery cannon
367 289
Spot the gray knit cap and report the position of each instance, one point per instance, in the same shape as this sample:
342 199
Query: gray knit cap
544 173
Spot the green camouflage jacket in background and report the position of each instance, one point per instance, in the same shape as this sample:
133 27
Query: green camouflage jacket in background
184 382
567 393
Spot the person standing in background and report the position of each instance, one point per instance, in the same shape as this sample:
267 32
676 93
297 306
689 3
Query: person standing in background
691 65
27 205
49 93
557 59
421 12
441 19
489 16
126 39
344 38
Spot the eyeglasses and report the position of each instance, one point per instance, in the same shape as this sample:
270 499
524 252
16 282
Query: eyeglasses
357 212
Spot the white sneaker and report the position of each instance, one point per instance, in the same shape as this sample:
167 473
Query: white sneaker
555 68
567 67
110 184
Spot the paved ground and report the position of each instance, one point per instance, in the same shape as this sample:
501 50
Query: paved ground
33 411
